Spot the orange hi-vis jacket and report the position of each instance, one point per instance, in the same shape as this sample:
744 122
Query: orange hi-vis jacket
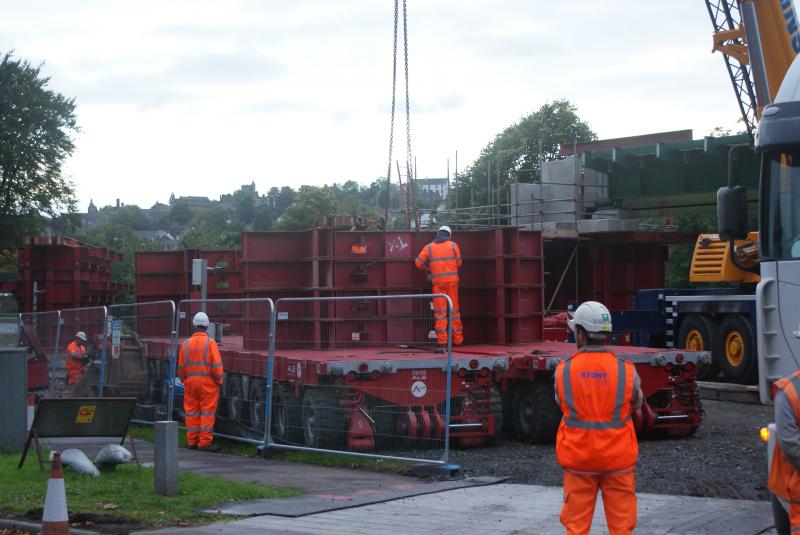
596 434
784 480
75 365
442 259
200 357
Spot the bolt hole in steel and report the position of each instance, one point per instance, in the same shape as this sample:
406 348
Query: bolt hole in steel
734 348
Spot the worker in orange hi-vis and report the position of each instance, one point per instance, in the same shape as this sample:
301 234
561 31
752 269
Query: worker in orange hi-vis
442 258
596 443
76 358
200 370
784 470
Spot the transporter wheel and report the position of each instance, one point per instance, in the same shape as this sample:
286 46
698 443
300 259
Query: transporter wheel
699 333
234 400
324 424
257 407
536 415
153 393
737 350
780 516
286 410
163 378
496 408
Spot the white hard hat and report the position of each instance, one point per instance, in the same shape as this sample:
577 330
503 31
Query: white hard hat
592 316
80 335
200 319
445 228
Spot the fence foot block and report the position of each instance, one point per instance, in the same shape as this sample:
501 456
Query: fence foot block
436 471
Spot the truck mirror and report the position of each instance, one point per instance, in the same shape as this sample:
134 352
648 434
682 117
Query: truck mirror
732 213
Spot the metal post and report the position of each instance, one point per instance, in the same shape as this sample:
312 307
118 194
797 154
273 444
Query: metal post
101 381
54 359
165 449
172 363
456 180
449 377
204 285
35 298
273 316
13 396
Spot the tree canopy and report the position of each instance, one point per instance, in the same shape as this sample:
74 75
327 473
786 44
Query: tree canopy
515 153
36 127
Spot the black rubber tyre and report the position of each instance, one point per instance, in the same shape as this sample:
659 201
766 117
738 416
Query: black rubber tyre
257 409
699 333
324 422
286 411
496 406
235 404
536 415
153 392
780 516
163 380
737 349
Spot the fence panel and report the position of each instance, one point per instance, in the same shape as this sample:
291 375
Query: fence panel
361 375
85 361
241 328
41 333
140 354
9 330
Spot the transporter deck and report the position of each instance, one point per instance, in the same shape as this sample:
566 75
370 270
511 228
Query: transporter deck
493 388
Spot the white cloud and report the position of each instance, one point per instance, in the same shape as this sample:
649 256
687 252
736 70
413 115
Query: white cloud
197 97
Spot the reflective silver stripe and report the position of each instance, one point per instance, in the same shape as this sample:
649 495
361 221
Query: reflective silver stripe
568 389
430 254
440 310
457 330
575 420
191 414
795 380
444 274
595 426
442 258
217 365
441 330
620 401
199 374
207 414
197 429
422 261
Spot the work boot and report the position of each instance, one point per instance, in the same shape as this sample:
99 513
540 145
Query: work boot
439 349
211 447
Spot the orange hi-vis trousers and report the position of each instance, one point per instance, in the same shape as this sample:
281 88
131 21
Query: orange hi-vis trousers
580 496
440 313
200 398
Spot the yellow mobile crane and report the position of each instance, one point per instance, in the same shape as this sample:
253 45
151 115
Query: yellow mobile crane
758 40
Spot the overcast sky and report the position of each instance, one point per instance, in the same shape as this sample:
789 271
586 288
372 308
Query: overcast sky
198 97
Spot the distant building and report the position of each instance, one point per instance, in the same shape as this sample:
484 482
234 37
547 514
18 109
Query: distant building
436 186
193 201
157 212
162 238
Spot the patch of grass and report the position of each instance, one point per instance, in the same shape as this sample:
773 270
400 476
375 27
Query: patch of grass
231 447
343 461
125 493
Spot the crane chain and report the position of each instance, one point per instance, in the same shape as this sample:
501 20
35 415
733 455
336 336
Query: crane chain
391 123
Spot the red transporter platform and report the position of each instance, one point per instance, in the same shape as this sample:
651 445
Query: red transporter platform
350 398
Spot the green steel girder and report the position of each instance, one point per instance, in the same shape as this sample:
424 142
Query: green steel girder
676 177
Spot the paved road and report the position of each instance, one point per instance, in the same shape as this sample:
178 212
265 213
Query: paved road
505 509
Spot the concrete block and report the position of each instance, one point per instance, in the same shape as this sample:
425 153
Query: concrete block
14 398
595 226
166 458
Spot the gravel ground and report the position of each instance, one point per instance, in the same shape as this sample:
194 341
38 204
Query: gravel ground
724 459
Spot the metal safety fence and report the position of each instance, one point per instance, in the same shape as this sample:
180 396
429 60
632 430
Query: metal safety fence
241 329
362 375
81 354
140 354
40 332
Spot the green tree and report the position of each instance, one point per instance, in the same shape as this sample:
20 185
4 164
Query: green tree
212 228
36 127
245 206
263 218
180 213
312 202
516 152
129 216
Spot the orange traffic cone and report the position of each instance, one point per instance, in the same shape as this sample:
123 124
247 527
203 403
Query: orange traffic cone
55 520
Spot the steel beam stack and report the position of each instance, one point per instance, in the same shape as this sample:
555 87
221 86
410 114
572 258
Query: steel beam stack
68 273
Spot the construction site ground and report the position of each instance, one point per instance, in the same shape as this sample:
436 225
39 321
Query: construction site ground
713 482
